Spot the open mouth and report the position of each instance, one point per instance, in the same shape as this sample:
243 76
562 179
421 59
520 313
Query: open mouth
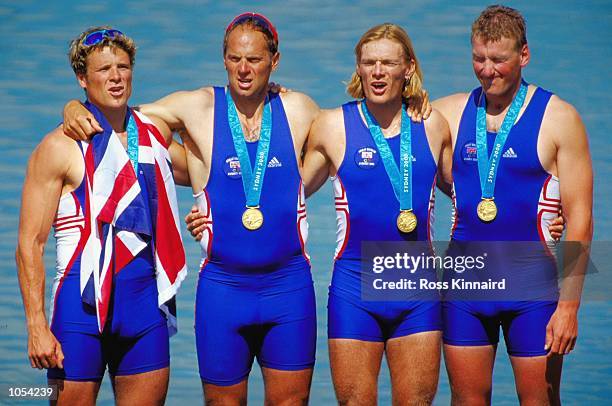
116 91
245 84
378 88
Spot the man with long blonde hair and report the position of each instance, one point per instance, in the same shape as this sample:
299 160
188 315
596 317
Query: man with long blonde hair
359 146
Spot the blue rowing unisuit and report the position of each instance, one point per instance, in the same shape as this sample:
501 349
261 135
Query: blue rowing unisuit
367 210
255 291
135 339
279 241
527 199
520 179
372 204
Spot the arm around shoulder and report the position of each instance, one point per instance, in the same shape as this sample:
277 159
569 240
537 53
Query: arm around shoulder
179 107
451 107
300 108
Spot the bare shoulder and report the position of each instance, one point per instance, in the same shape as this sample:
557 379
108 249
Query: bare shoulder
57 144
297 99
330 117
436 122
328 125
204 95
561 112
56 152
451 104
299 104
562 121
301 112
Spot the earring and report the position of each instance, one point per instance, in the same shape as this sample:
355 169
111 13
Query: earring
407 84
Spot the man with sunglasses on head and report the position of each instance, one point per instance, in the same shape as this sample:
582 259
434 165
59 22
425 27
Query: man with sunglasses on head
255 295
120 258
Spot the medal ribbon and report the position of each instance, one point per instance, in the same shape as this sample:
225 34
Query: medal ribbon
132 141
401 182
252 177
488 165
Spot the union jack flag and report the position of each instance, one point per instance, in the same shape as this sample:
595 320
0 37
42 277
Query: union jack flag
121 216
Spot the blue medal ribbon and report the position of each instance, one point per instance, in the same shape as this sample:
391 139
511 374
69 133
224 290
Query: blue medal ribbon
488 165
401 182
132 141
252 177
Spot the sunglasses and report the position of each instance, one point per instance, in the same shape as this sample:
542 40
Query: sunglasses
258 18
95 37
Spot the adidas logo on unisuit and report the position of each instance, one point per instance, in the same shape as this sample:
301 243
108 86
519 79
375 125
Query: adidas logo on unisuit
274 163
510 153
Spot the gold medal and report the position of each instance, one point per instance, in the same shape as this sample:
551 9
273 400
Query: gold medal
406 221
487 210
252 218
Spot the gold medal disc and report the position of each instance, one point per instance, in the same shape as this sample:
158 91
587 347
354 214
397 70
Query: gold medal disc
406 221
487 210
252 218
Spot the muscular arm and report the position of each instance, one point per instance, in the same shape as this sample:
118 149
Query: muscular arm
575 172
43 184
440 143
322 149
169 109
450 107
301 112
574 169
80 124
179 164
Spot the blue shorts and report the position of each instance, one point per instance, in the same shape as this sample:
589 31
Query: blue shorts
350 316
239 316
477 323
380 321
135 338
86 355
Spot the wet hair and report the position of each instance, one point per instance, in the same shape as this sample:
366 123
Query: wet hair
497 22
77 53
255 25
414 87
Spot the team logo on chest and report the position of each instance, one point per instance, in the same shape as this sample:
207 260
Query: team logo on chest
367 158
510 153
468 152
275 163
231 167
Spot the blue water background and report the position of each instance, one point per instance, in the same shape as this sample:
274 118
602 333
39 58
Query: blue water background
179 47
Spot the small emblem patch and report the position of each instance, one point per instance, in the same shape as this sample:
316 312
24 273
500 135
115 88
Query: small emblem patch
367 158
231 167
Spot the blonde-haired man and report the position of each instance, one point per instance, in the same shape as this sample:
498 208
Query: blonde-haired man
360 145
